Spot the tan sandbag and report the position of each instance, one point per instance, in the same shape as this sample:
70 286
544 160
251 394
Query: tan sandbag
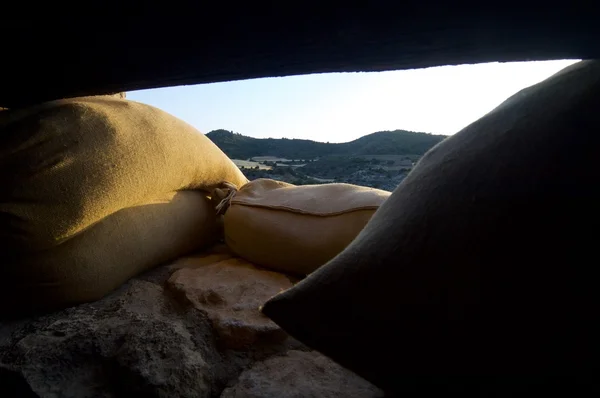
67 164
100 259
296 229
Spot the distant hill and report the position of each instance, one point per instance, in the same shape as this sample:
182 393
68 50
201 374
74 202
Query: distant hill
397 142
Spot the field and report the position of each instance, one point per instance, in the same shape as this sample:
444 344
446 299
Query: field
247 164
269 159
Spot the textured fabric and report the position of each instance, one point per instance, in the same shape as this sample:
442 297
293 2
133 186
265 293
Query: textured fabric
478 273
96 190
296 229
65 165
100 259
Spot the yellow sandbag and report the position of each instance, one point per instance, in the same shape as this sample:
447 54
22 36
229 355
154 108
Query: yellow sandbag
296 229
100 259
67 164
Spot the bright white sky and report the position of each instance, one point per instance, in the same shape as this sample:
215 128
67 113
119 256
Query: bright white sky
341 107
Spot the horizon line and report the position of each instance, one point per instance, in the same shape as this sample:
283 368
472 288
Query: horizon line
328 142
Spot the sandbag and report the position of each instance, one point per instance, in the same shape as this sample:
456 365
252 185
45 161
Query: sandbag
296 229
67 164
477 276
96 190
108 253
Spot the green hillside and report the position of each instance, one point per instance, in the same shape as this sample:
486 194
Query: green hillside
398 142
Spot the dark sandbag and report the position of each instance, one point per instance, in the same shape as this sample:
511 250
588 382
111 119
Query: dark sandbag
477 275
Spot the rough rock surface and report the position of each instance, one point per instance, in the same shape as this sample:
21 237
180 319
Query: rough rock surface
300 374
156 339
230 293
133 342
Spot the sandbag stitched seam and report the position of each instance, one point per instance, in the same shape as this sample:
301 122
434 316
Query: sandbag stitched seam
299 211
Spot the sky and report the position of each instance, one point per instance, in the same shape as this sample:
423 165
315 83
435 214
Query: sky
340 107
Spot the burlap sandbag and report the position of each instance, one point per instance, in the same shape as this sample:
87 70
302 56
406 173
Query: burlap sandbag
108 253
478 275
89 196
67 164
296 229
